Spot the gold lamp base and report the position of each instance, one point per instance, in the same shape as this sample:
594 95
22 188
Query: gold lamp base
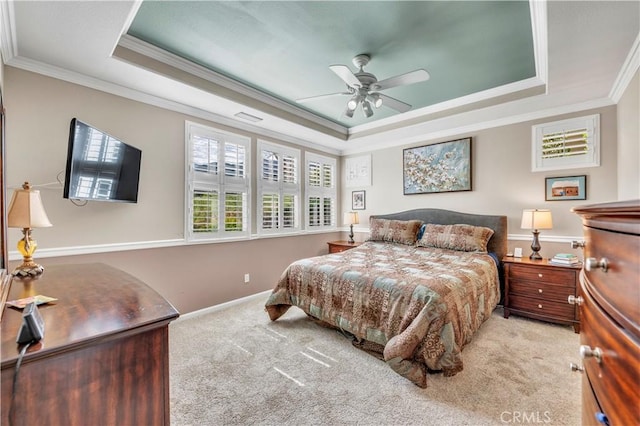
26 247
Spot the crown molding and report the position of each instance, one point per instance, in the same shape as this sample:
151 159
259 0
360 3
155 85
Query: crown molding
148 50
459 129
8 41
135 95
627 72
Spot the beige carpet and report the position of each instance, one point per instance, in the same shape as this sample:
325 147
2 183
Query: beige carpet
236 367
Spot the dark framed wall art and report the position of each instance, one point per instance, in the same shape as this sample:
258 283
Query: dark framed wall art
358 200
440 167
566 188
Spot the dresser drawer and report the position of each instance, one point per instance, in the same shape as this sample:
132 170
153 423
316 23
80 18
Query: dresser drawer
618 286
543 274
589 404
544 308
615 378
550 292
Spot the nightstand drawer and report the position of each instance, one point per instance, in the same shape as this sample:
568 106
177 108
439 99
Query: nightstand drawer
542 307
548 275
551 292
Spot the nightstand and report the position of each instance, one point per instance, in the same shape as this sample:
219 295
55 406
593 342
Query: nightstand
540 290
338 246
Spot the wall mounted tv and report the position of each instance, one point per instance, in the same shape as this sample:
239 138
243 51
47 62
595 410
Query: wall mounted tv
100 167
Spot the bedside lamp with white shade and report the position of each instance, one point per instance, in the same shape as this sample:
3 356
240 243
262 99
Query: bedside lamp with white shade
351 218
536 219
27 212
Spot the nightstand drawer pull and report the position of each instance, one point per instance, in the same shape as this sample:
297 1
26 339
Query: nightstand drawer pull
539 290
575 300
587 352
539 275
592 263
539 306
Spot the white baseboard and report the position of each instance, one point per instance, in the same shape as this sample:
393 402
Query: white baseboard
221 306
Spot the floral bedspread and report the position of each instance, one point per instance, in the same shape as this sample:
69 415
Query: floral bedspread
419 306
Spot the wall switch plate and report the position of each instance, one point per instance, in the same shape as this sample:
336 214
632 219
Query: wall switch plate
247 278
517 252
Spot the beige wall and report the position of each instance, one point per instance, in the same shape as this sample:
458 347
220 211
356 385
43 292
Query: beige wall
39 111
629 141
502 181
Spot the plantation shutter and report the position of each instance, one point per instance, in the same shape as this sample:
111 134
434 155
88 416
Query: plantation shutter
566 144
217 193
321 192
278 189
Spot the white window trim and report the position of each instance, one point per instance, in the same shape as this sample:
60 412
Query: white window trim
591 159
322 192
222 184
280 187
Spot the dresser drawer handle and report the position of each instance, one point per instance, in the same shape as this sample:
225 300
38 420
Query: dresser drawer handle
592 263
539 275
577 244
539 290
602 418
575 300
588 352
540 306
576 367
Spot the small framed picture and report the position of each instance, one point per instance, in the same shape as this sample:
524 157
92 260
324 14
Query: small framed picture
357 200
566 188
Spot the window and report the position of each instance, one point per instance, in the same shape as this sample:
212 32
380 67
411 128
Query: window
321 192
217 183
566 144
278 189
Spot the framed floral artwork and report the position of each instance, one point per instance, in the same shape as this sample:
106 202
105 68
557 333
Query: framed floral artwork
440 167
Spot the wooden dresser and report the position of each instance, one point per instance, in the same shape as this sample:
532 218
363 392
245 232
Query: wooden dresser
104 359
610 313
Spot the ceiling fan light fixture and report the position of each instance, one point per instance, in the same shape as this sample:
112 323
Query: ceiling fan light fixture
375 99
349 112
352 104
366 107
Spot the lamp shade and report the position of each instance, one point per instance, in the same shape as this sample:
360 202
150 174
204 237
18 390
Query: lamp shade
26 209
536 219
351 218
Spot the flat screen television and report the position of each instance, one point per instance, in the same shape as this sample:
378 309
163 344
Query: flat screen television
100 167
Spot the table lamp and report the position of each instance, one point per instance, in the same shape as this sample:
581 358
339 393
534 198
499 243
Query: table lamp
26 211
351 218
536 219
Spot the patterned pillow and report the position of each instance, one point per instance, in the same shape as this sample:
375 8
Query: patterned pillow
394 231
456 237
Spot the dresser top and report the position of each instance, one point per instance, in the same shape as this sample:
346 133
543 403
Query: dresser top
95 301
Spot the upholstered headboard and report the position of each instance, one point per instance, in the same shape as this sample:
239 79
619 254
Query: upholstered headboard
498 242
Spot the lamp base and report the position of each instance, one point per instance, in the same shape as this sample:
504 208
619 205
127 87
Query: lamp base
351 240
535 246
535 256
28 269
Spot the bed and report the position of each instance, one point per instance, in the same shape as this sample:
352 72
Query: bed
415 293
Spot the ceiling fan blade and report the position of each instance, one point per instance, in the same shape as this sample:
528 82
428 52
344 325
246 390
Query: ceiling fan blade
401 80
315 98
394 103
346 75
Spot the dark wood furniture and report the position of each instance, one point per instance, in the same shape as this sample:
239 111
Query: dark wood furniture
338 246
104 359
610 310
539 289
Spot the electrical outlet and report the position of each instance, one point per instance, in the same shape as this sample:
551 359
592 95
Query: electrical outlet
247 278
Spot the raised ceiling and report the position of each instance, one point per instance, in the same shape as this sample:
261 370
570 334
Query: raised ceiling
573 55
284 49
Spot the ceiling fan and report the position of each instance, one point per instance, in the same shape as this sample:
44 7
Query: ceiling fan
364 87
